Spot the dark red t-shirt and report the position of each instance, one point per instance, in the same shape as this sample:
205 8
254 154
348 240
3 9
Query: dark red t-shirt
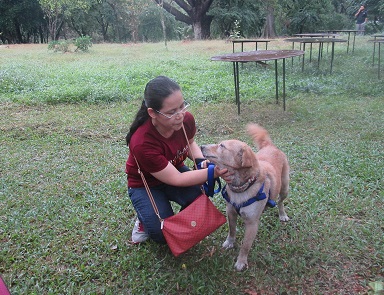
154 152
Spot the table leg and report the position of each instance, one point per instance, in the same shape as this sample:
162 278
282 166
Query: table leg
379 61
237 84
283 83
276 83
349 35
374 49
353 45
332 54
302 65
310 54
319 57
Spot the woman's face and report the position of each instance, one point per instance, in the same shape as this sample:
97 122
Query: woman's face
171 116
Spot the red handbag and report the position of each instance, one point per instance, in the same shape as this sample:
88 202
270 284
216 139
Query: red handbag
185 229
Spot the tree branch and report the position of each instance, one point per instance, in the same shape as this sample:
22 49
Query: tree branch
175 12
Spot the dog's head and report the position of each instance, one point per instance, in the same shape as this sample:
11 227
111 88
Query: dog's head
231 154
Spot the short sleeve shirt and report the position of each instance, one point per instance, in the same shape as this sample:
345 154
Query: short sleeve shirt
361 17
154 152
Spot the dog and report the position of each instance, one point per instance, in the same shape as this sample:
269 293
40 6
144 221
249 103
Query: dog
258 179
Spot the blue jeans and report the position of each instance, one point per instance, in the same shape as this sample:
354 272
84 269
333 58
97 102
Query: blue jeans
163 195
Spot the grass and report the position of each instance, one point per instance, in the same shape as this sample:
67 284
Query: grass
65 217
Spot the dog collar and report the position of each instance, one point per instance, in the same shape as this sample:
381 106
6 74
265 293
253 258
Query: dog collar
244 186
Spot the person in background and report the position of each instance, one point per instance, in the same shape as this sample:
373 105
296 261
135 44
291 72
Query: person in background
156 138
361 19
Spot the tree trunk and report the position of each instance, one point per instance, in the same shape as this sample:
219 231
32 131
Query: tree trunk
163 27
202 28
269 27
197 30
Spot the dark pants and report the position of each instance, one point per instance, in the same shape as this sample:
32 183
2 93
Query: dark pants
163 195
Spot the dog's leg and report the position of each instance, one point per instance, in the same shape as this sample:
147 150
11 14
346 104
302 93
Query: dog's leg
283 193
232 220
280 204
251 229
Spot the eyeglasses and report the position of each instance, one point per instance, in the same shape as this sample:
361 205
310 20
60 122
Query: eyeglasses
182 111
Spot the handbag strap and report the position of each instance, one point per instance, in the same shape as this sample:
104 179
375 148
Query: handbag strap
189 147
149 192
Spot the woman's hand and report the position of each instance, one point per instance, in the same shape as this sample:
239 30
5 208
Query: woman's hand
223 173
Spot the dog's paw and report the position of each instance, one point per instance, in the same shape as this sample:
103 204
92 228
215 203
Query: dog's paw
241 265
284 218
228 244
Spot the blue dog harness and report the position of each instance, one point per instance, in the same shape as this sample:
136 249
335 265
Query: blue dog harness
259 197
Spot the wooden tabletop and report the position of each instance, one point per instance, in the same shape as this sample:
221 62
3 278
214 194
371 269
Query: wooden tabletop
259 55
314 40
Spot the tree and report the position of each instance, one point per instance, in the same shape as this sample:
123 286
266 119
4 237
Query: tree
246 13
191 12
16 26
269 30
57 10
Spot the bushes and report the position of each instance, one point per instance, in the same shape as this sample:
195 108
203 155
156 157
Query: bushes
82 43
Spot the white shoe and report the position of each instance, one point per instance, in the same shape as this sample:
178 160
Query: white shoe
138 233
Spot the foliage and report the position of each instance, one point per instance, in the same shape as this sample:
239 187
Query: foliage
83 43
150 29
193 13
59 45
235 33
18 26
66 218
246 15
140 20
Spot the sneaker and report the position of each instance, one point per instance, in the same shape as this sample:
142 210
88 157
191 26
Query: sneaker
138 233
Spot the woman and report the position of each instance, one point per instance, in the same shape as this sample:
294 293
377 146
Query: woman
157 140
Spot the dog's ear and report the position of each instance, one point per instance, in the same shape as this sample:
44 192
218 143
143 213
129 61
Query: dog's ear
247 157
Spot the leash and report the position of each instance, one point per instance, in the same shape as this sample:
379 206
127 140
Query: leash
209 186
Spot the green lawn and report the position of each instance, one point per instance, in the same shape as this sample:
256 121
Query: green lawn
66 219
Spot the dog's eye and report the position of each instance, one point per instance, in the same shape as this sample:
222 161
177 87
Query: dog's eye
222 146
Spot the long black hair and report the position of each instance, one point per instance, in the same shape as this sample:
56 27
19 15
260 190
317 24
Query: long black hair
156 91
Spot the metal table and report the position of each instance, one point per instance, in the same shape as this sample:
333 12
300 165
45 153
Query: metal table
321 42
349 36
375 37
257 56
256 41
319 35
378 41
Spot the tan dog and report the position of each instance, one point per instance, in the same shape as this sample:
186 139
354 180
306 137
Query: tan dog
264 174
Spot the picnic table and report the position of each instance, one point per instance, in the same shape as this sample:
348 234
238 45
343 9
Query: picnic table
257 56
319 41
256 41
349 35
375 37
378 41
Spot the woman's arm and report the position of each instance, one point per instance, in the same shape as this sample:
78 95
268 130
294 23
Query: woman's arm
171 176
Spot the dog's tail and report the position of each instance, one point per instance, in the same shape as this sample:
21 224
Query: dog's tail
259 135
